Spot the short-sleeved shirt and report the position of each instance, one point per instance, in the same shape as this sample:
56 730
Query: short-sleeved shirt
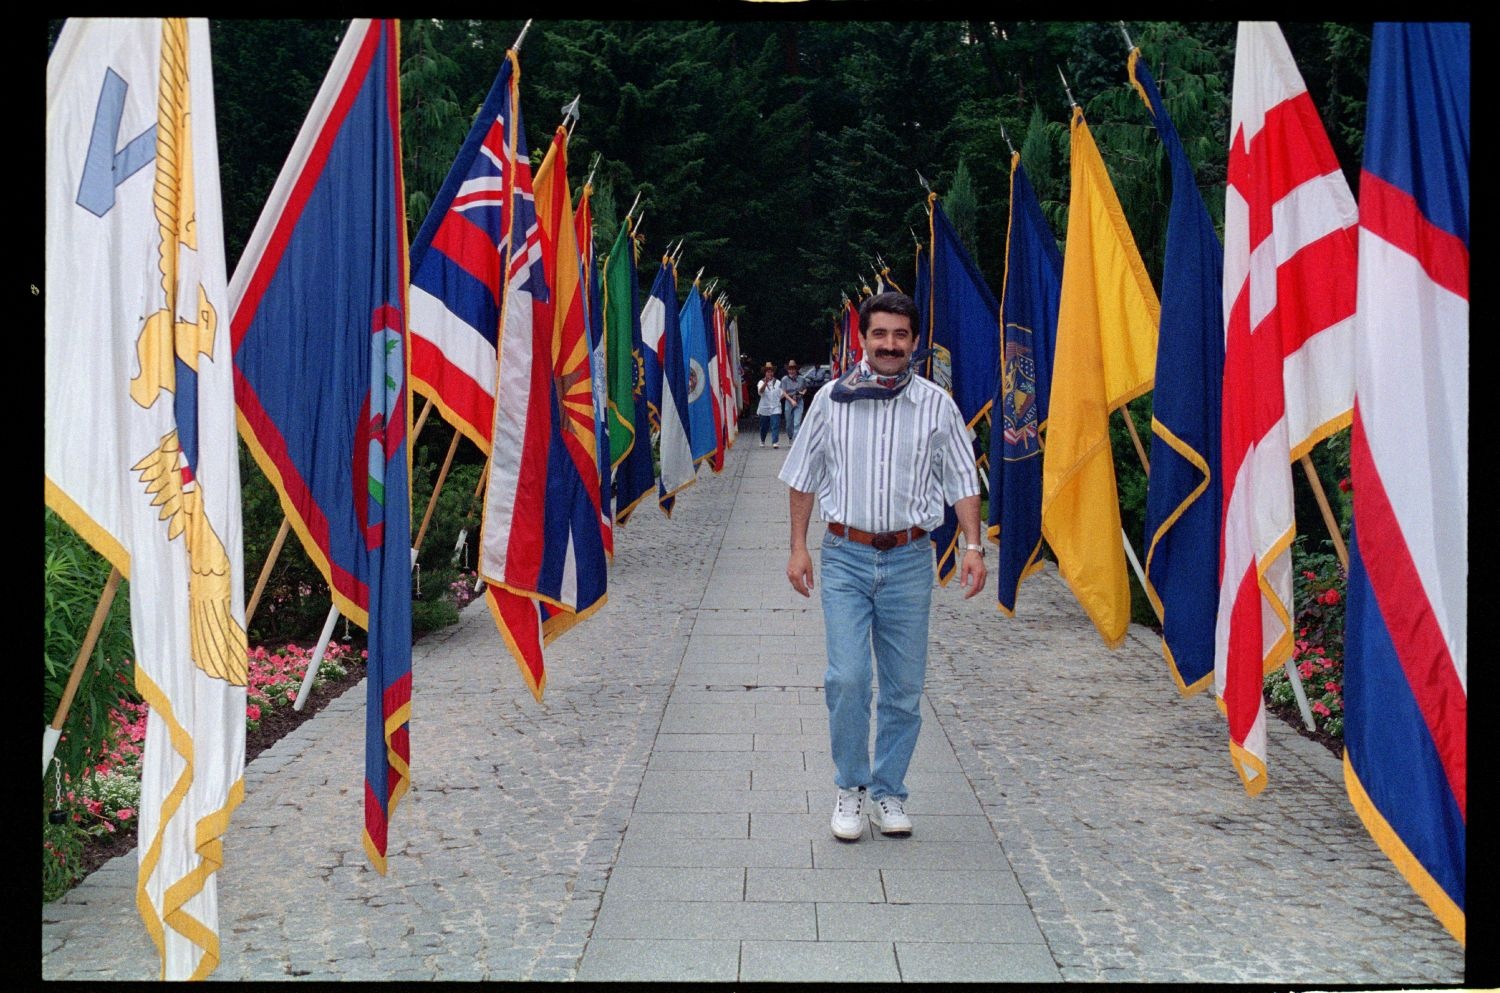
770 396
884 465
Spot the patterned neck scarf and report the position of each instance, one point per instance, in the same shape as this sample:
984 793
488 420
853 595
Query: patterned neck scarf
862 383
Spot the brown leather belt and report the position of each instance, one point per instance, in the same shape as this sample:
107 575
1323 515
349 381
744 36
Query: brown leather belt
881 541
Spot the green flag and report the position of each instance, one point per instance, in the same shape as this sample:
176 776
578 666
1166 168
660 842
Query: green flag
620 360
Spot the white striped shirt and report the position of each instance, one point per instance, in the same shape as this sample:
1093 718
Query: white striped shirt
884 465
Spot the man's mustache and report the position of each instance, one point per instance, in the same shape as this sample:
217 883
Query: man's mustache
889 353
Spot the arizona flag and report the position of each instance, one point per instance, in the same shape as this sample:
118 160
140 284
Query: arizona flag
542 551
1183 498
1028 311
1406 665
140 451
1105 357
1289 298
320 351
456 267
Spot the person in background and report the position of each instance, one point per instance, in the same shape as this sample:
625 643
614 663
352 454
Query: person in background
882 451
793 386
769 410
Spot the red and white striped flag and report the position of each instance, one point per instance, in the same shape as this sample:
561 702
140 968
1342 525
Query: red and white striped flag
1289 297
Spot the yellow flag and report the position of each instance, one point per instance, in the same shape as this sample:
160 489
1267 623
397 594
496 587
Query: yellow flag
1105 356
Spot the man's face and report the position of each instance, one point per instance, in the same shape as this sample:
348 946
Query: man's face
888 343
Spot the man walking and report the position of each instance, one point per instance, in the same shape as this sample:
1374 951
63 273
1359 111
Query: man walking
792 388
882 450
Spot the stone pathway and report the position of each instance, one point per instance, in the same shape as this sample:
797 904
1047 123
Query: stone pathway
663 813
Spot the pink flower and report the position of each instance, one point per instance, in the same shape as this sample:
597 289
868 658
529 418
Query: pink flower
1306 670
125 813
291 696
252 712
1345 484
1309 575
1331 686
1321 709
1330 596
1318 650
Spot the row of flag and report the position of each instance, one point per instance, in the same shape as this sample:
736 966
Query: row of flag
1314 313
500 315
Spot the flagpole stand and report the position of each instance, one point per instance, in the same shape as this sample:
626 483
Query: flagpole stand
1300 694
317 658
1135 564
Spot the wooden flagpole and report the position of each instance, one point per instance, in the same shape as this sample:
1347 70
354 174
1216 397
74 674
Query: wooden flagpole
53 731
436 489
265 570
1334 531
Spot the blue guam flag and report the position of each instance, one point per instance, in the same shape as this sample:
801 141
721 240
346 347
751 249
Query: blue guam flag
963 335
1028 308
1184 494
320 358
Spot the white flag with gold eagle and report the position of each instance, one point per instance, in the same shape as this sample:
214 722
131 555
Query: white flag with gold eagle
140 436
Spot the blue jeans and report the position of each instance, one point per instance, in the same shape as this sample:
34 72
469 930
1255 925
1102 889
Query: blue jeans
773 422
793 420
880 600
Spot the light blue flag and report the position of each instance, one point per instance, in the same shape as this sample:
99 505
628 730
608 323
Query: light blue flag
700 396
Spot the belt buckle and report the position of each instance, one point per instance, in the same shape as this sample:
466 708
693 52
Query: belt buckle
885 540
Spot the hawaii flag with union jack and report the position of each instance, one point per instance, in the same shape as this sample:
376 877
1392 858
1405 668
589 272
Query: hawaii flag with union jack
1289 298
456 262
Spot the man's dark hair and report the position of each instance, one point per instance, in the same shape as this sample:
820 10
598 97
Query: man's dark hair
889 302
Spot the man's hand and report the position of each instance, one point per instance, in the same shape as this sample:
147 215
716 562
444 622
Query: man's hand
973 571
799 571
967 511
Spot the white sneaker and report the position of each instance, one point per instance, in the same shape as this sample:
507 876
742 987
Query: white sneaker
848 815
889 816
775 444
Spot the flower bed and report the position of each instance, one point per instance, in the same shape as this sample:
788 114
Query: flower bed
88 822
94 819
1317 653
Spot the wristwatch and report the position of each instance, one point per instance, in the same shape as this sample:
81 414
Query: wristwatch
971 547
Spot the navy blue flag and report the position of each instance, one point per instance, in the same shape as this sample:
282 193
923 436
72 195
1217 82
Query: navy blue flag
1028 308
657 312
1183 499
320 350
963 333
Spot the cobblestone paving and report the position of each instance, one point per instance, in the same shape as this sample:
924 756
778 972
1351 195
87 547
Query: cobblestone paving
499 854
1136 850
1140 852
